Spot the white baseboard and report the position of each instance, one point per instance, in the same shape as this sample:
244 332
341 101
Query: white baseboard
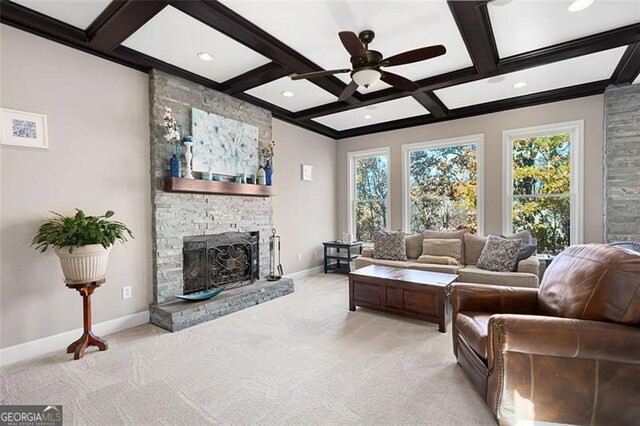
60 341
305 272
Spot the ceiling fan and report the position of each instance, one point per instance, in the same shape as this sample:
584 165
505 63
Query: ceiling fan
367 64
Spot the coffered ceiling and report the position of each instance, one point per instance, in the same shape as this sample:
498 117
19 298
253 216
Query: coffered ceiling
253 47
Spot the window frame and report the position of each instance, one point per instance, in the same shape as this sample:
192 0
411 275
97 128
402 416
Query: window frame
476 139
576 159
352 157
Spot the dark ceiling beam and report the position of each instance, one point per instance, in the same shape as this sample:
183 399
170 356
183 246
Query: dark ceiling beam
628 68
571 49
119 20
254 78
285 115
587 89
223 19
472 19
29 20
147 63
431 102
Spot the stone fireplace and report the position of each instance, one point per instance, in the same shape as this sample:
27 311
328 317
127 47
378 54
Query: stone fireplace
224 260
218 232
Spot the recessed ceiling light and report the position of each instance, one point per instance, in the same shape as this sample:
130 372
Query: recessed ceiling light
287 94
205 56
368 117
579 5
520 85
497 79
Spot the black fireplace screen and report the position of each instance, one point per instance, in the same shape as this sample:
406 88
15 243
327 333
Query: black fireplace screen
225 260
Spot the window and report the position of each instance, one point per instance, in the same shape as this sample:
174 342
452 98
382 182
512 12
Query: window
369 192
443 184
542 184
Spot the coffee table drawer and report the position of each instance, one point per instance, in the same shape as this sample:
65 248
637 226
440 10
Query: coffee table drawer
420 302
367 293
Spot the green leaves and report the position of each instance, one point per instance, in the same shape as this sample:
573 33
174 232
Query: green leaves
80 230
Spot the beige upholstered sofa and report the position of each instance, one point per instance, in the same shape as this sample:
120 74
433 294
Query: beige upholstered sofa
527 275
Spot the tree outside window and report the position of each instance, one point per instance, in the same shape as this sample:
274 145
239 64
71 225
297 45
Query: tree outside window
443 188
370 194
541 179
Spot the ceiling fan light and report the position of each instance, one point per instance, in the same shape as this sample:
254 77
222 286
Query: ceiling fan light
366 77
579 5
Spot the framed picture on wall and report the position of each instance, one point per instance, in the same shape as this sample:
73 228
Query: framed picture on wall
307 172
20 128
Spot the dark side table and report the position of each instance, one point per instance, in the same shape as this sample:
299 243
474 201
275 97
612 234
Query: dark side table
340 259
86 289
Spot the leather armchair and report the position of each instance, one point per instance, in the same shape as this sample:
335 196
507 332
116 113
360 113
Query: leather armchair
568 352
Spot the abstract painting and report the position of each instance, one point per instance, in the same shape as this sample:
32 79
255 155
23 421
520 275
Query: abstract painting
25 129
222 145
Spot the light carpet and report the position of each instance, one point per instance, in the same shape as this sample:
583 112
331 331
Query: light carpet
300 359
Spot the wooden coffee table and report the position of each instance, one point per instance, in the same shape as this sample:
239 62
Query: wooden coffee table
416 294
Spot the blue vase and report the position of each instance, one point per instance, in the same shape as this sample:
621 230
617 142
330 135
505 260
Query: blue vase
174 165
268 173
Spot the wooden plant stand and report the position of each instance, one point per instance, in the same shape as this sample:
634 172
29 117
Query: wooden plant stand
87 338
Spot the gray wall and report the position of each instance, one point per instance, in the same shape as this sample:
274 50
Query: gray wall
622 163
98 160
589 109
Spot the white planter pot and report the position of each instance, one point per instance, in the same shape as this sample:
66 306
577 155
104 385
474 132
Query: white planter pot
85 264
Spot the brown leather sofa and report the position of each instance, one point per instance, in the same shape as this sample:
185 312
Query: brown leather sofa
567 352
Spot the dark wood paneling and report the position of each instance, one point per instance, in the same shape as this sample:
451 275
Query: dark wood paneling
172 184
629 67
119 20
255 77
472 19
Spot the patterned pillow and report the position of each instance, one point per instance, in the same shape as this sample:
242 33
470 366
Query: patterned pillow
389 245
442 247
499 254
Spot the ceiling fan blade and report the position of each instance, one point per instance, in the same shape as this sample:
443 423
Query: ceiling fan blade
318 74
352 43
399 82
415 55
348 91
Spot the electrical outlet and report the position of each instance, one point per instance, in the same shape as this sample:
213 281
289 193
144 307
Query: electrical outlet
299 257
126 292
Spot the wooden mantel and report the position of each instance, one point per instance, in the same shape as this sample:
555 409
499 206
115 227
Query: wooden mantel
173 184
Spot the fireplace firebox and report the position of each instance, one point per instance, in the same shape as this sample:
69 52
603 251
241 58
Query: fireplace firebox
226 260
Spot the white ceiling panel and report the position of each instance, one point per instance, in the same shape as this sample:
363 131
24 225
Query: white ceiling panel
373 114
176 38
79 13
305 94
525 25
311 28
583 69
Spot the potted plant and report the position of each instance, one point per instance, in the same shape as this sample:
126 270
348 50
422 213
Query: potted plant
81 242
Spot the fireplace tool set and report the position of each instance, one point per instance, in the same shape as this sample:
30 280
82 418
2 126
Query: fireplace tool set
275 267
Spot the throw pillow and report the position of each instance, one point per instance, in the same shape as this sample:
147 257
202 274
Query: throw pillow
525 252
499 254
438 260
414 245
523 235
389 245
473 245
449 235
442 247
